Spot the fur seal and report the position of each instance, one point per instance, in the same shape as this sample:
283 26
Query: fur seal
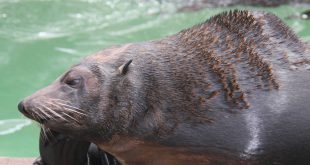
231 90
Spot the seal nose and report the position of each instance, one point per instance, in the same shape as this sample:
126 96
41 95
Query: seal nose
21 107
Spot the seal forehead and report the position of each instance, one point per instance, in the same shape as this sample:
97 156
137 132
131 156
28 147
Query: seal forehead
108 54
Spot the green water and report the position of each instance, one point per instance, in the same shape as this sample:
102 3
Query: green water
39 40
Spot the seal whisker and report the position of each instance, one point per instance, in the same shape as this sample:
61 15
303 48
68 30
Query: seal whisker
48 131
69 105
62 106
70 117
42 115
65 101
64 113
72 110
45 137
60 100
37 113
75 108
55 113
56 105
45 113
34 114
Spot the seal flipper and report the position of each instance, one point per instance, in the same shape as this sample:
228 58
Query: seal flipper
98 157
57 149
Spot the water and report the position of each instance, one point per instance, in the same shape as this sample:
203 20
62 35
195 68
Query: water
40 39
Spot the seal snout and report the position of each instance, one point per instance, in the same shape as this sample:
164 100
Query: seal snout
21 107
26 110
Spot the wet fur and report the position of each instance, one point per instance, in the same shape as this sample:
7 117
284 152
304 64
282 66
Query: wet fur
191 94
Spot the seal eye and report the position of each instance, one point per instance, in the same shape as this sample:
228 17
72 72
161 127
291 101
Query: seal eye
73 82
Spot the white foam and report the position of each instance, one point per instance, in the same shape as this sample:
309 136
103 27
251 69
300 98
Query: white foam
9 126
68 51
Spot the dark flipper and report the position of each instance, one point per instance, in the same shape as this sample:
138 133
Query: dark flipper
99 157
57 149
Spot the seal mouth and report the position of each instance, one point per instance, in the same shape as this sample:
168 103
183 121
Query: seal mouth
44 113
43 118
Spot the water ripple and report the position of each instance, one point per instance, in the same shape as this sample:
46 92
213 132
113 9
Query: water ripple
9 126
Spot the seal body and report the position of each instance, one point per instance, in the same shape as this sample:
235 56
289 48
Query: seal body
231 90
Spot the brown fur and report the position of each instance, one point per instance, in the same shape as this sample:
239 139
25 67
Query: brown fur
184 94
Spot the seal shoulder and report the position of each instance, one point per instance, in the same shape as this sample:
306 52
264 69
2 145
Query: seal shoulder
245 51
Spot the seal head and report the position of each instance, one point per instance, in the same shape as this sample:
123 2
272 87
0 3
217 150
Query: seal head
72 104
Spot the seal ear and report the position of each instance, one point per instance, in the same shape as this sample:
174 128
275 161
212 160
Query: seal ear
124 68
